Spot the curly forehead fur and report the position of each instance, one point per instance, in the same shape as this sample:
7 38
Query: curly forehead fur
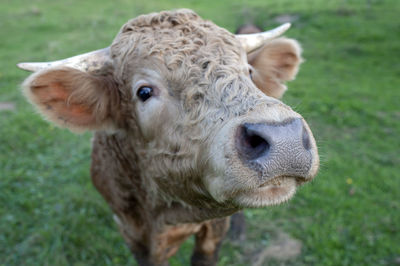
200 61
177 38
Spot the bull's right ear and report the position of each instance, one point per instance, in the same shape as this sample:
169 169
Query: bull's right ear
73 99
275 63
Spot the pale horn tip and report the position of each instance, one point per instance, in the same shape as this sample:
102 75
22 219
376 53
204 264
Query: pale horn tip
21 66
280 30
31 67
286 26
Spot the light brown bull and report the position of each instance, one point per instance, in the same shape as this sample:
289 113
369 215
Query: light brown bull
183 136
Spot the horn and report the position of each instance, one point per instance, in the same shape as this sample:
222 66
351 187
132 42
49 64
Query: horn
251 42
85 62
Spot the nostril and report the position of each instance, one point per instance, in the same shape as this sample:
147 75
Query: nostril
256 142
250 144
306 140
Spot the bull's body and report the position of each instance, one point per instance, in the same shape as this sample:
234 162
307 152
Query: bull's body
153 230
184 138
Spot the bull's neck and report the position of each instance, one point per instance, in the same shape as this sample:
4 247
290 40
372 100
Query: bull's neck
116 175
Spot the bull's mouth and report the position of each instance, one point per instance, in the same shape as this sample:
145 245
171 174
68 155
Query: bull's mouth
277 181
273 192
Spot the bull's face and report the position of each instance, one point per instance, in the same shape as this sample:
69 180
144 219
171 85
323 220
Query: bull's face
180 90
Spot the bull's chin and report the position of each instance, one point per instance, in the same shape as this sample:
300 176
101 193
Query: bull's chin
273 192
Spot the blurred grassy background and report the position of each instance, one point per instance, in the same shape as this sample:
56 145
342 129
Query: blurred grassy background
348 90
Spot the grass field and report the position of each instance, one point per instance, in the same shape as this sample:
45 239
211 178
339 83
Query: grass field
348 91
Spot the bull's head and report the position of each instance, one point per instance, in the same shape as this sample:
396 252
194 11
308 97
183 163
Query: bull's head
198 117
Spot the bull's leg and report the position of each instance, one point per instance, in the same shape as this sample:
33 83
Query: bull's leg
140 238
208 242
144 257
237 230
144 253
152 244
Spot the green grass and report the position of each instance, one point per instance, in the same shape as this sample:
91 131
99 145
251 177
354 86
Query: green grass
348 90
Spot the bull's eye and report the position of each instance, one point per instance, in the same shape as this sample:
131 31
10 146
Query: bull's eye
144 93
251 73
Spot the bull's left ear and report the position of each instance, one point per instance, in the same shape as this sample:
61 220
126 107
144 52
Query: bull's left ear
275 63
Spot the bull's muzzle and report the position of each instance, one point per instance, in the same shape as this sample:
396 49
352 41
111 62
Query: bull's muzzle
276 149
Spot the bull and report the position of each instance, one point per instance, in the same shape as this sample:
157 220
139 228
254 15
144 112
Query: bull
187 129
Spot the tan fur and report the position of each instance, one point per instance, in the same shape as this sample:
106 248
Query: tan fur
169 168
276 62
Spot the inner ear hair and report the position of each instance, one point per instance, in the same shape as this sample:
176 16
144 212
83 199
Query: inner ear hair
275 63
72 98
